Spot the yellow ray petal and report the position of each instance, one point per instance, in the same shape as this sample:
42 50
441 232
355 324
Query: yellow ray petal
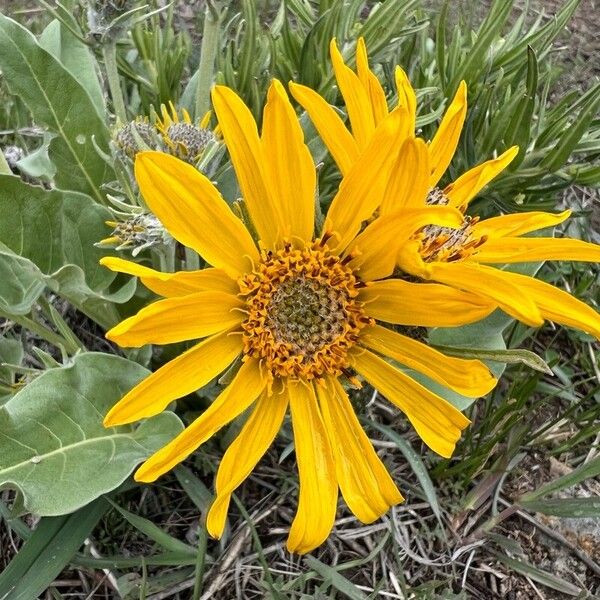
488 283
406 98
330 126
409 182
194 212
288 165
243 454
444 142
245 388
438 423
423 304
205 120
377 246
518 224
361 191
468 377
178 319
364 481
245 150
179 377
170 285
355 97
317 498
467 186
556 305
370 83
516 250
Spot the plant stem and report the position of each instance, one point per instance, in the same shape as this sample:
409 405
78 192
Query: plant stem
200 559
37 328
192 260
208 53
109 52
74 343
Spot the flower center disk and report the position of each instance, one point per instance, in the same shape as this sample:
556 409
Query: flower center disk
303 315
446 244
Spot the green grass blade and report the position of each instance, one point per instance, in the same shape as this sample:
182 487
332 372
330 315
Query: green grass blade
155 533
416 465
339 582
46 553
589 469
547 579
576 508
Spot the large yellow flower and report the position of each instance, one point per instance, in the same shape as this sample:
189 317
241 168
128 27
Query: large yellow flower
458 258
300 313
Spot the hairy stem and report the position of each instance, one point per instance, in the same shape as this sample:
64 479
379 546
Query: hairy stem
208 53
109 52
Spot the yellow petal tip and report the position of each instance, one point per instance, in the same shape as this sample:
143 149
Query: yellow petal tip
109 421
143 475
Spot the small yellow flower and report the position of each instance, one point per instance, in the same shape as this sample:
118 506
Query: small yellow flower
183 138
136 233
458 258
299 311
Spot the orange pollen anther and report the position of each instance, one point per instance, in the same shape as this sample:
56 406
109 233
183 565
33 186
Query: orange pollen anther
303 315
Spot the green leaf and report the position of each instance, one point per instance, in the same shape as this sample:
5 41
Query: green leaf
518 131
70 282
585 471
485 335
543 577
155 533
38 164
475 60
55 231
518 356
46 553
53 446
21 283
416 464
11 352
76 58
198 493
57 101
337 581
53 228
575 508
559 155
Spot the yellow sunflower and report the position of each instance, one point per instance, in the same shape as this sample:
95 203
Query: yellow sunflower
298 310
460 257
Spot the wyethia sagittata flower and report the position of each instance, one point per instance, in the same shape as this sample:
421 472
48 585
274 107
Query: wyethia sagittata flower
458 258
297 307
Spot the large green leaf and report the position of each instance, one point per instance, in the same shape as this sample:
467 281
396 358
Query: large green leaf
59 102
53 446
486 334
53 232
76 57
21 283
53 228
